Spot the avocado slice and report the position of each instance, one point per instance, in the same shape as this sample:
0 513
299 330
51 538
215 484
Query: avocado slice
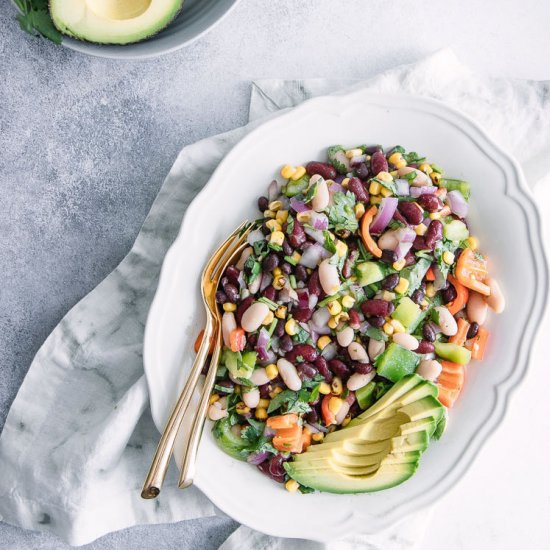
109 22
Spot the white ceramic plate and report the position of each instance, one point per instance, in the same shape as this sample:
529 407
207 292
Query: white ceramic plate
502 215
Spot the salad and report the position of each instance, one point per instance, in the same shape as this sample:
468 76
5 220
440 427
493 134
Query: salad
349 321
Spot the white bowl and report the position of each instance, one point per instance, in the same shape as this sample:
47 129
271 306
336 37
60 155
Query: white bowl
503 216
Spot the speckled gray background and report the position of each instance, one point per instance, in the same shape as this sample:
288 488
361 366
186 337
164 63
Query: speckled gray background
85 144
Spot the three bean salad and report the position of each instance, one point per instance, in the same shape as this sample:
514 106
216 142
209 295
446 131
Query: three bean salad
361 272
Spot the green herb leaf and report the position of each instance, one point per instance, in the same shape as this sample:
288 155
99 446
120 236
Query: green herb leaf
376 334
329 243
269 303
34 18
290 401
254 267
311 192
413 158
260 248
341 214
289 225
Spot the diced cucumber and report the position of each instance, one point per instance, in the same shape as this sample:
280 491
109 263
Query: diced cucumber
453 352
396 362
293 188
407 312
456 185
240 365
365 395
455 231
368 273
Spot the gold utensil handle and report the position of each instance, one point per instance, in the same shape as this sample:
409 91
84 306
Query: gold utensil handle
163 454
190 454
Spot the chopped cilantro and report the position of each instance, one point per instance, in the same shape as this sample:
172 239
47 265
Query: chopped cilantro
254 268
311 192
341 214
376 334
329 242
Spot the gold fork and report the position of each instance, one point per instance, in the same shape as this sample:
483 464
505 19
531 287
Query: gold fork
187 473
209 283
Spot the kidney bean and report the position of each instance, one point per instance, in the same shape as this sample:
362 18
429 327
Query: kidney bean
306 371
339 368
362 368
419 243
269 292
327 171
355 185
348 264
305 351
378 163
377 321
429 332
242 307
302 315
221 297
232 273
389 256
434 234
287 249
417 296
276 468
390 282
313 285
362 171
425 347
411 212
473 330
263 204
285 342
354 319
322 367
231 292
448 294
298 236
375 308
300 273
270 262
409 258
286 268
431 203
312 416
264 229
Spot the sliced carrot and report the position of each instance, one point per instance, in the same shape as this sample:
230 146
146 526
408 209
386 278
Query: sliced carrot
447 397
198 342
471 271
450 382
365 232
328 416
430 275
478 343
306 439
237 339
282 421
462 296
460 337
289 439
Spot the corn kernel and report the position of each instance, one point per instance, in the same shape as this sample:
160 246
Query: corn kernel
346 420
213 398
385 192
430 290
334 307
241 408
341 317
424 303
268 318
279 282
277 237
399 265
420 229
394 158
359 210
394 173
348 302
277 272
435 215
272 371
374 188
292 485
263 403
332 323
335 404
318 437
303 217
388 296
275 391
275 205
397 326
473 243
229 307
426 168
281 216
273 225
402 286
448 257
384 176
291 328
269 214
336 386
341 248
388 329
436 177
376 200
324 388
280 312
350 153
400 164
323 342
260 413
296 256
287 171
299 172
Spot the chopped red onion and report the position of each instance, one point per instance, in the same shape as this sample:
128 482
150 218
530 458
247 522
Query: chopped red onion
329 352
267 279
458 203
271 358
316 428
402 187
312 301
405 235
258 457
426 190
273 191
269 432
298 206
255 236
303 298
313 255
261 345
402 249
355 161
388 205
315 234
318 221
440 279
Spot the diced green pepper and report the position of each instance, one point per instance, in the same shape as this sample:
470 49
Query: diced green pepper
453 352
396 362
407 312
365 395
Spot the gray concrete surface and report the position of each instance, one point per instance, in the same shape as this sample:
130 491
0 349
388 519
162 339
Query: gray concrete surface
85 144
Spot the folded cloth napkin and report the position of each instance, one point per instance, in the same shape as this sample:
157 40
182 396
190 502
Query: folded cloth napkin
79 437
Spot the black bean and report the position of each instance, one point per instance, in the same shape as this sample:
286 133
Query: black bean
300 273
339 368
473 330
377 322
280 330
390 282
285 343
428 332
389 256
286 268
362 171
221 297
263 204
448 294
417 296
231 292
270 262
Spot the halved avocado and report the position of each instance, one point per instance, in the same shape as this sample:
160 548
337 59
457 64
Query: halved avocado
113 21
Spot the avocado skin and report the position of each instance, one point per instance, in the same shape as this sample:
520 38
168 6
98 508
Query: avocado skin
67 32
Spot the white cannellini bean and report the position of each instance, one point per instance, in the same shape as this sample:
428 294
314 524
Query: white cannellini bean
496 299
429 369
216 411
328 277
421 179
228 325
251 398
447 322
342 413
321 199
289 374
357 380
477 308
244 256
259 377
254 286
345 337
375 348
405 340
358 353
253 316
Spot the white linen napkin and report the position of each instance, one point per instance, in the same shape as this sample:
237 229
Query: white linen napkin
79 437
